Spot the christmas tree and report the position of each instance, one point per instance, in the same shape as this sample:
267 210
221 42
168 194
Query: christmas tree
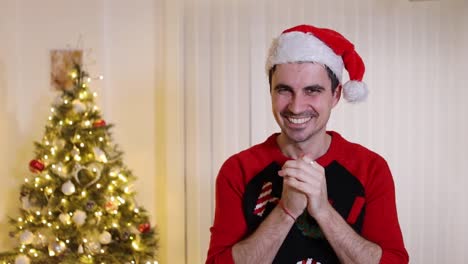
77 204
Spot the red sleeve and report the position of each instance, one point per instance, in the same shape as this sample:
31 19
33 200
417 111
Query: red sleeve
229 225
381 220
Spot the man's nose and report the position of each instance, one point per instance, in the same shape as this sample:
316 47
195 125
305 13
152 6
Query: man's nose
297 104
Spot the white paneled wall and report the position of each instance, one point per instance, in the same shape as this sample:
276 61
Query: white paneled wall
414 115
186 88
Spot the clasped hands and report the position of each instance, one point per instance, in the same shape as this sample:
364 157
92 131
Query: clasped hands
304 186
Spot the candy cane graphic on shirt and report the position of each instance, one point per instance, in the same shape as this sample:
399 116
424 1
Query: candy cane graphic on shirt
264 198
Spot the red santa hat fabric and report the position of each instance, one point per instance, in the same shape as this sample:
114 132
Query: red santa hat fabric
306 43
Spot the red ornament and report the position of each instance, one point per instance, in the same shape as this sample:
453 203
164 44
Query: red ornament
36 166
99 123
144 228
111 206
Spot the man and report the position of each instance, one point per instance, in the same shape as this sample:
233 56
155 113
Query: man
306 195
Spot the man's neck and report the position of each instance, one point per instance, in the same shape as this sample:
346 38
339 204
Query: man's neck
314 147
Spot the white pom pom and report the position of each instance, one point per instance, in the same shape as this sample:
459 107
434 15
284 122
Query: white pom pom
355 91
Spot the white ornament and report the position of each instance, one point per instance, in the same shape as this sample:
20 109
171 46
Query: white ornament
79 217
64 218
80 249
56 248
57 101
60 143
40 239
78 106
105 238
22 259
99 155
26 204
68 188
27 237
93 246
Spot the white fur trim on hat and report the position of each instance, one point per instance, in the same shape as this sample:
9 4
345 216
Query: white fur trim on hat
301 47
355 91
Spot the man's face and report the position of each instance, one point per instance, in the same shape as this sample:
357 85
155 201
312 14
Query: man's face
302 100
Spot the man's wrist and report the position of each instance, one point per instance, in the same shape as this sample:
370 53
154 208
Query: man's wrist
324 215
286 211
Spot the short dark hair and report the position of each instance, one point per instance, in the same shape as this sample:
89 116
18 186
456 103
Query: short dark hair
334 80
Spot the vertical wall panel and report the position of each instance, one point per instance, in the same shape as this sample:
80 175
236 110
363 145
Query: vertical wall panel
404 120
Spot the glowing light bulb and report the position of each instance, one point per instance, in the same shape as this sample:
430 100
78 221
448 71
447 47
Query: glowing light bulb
83 94
122 177
135 245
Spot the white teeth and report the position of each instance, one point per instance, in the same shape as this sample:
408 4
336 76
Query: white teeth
298 120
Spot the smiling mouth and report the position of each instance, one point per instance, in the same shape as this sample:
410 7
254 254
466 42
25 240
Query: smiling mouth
298 121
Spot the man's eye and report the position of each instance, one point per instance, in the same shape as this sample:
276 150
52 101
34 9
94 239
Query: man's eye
312 91
283 90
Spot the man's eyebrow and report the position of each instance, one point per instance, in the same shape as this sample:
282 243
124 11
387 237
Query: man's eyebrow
282 86
315 87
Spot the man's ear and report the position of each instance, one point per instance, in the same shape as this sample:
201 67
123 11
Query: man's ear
337 94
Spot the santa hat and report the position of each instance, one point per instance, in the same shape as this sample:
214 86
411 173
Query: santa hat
307 43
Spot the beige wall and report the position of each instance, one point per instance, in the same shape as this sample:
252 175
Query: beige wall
185 87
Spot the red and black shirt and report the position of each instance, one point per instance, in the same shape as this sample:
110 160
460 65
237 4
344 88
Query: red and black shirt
360 188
